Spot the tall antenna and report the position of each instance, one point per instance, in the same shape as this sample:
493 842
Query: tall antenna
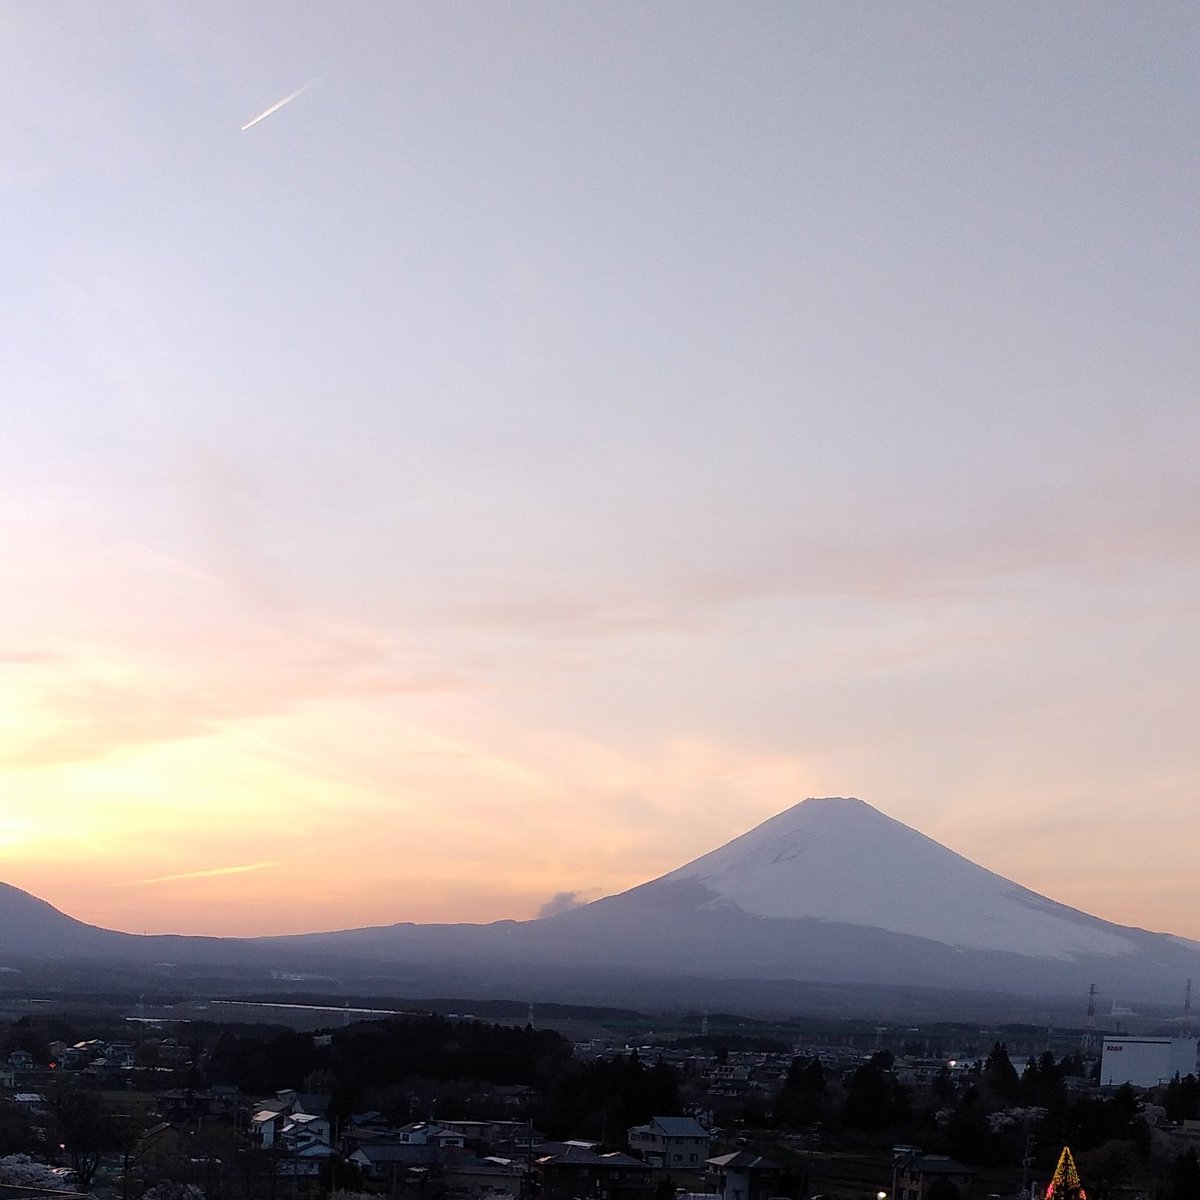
1187 1010
1088 1041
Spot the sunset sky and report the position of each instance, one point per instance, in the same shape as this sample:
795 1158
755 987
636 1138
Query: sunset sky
561 436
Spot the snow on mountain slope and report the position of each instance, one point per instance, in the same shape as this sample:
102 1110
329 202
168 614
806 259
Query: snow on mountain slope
837 859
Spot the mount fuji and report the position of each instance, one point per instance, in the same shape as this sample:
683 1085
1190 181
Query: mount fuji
829 892
842 861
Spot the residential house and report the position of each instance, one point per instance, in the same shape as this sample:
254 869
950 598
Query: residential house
426 1133
91 1052
512 1139
266 1127
225 1099
184 1104
506 1139
674 1143
120 1054
730 1079
744 1176
914 1174
160 1150
586 1175
384 1159
70 1059
305 1102
301 1130
306 1160
480 1178
476 1135
570 1146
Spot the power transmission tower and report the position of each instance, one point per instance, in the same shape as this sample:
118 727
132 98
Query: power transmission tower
1088 1041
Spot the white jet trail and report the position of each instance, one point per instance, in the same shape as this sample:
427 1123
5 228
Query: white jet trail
262 116
260 866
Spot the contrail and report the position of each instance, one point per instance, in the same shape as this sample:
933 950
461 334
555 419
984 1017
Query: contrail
200 874
262 116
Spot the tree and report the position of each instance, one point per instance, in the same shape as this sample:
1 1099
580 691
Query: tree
968 1135
874 1100
943 1085
1183 1098
602 1099
1042 1081
1065 1183
1185 1177
126 1129
84 1130
1000 1075
801 1099
808 1075
16 1129
1108 1167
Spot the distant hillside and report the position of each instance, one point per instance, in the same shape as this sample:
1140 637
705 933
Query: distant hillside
31 927
830 893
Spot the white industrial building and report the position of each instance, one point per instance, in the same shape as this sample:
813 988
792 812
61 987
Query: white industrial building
1146 1061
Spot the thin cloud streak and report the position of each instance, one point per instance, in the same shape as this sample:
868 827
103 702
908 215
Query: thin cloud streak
206 874
262 116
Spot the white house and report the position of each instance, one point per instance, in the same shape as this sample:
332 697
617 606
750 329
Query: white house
425 1133
301 1130
266 1125
744 1176
676 1143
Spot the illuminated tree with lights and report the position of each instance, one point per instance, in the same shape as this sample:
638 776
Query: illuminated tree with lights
1065 1185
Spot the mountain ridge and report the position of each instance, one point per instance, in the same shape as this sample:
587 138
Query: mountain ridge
899 873
830 890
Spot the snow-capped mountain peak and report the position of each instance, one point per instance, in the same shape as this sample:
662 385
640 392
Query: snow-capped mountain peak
839 859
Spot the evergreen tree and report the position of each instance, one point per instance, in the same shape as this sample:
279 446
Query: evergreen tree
875 1100
801 1099
1000 1075
1065 1183
1183 1098
968 1136
943 1085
